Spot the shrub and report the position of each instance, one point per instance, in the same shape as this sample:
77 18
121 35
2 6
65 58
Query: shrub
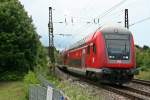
11 76
29 79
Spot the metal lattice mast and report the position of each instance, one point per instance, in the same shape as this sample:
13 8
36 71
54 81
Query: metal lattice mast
126 19
51 36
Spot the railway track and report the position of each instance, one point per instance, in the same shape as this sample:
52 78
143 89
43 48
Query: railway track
126 91
142 82
129 92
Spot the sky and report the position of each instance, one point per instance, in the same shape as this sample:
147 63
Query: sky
86 10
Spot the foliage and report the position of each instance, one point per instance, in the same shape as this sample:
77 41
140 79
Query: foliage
53 79
11 76
58 57
143 57
143 62
29 79
144 75
20 48
57 54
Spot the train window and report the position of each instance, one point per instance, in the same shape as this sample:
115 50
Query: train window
94 48
88 50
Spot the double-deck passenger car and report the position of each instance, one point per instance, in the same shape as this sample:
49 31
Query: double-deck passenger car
108 54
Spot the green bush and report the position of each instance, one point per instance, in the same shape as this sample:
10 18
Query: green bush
143 62
10 76
143 57
53 79
29 79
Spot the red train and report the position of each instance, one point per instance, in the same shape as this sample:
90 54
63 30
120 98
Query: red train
108 54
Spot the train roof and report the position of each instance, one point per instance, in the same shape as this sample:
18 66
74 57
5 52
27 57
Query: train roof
114 29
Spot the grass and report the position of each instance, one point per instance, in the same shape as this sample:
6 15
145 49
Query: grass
145 75
77 92
12 91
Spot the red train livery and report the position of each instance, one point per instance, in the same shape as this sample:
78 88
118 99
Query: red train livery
108 54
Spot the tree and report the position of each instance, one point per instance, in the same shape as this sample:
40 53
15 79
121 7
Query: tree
20 48
143 57
145 47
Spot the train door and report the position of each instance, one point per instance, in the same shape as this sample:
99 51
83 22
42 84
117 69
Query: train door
93 54
88 56
83 58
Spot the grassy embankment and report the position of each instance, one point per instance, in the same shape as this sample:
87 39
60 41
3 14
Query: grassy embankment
74 90
17 90
12 91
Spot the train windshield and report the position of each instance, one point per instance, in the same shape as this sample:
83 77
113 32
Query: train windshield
118 46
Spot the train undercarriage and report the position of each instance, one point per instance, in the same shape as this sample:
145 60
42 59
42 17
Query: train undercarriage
106 75
115 76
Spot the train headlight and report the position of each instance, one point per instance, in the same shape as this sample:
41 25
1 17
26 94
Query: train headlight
111 56
125 57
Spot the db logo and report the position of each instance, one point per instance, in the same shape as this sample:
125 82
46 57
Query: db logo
119 61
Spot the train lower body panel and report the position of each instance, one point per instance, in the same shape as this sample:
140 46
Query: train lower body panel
114 76
106 75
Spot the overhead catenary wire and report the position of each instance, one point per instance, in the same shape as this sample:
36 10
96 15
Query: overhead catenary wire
102 15
110 10
114 14
74 20
99 17
64 34
105 13
117 18
140 21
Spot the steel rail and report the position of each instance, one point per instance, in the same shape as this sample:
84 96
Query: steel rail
124 93
143 82
137 91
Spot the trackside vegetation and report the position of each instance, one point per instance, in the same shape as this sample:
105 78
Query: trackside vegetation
143 62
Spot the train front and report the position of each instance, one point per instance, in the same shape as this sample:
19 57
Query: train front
120 55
